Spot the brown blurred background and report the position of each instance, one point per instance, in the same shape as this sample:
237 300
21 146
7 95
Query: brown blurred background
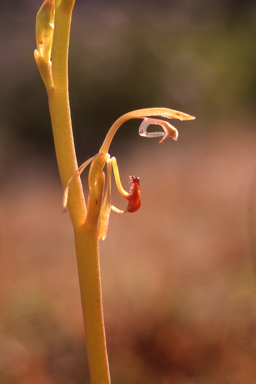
179 275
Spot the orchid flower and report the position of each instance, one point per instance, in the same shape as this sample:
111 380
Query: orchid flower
133 196
90 222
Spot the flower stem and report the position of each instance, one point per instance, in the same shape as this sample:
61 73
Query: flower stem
84 222
87 249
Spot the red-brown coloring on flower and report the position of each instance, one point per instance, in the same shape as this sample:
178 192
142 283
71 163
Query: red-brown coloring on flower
149 117
134 195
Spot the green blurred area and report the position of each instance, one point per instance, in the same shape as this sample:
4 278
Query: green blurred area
194 56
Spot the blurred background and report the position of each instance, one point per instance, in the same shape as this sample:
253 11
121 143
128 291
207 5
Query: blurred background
178 275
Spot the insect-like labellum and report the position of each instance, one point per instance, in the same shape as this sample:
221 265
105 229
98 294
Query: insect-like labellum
134 195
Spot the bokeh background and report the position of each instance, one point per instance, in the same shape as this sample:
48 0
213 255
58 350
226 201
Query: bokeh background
179 275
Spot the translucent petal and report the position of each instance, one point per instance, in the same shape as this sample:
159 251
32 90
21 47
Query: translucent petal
169 130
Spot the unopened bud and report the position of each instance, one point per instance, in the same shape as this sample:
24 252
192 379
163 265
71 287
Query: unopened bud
44 29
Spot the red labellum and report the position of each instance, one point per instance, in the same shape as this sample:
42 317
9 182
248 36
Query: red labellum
134 195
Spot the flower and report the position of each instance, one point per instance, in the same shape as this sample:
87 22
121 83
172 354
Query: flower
103 158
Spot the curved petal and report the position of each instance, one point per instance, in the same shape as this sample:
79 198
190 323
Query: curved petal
169 130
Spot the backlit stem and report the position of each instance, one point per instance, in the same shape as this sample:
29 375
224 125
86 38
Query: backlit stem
85 222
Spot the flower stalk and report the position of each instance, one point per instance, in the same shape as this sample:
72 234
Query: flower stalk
55 76
90 222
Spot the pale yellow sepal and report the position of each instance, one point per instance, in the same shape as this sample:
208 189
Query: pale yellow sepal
79 171
45 29
94 200
45 69
106 206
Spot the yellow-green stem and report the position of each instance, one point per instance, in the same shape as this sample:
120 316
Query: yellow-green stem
90 284
86 239
60 115
85 229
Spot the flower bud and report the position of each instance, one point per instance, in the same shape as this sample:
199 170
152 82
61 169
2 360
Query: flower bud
44 29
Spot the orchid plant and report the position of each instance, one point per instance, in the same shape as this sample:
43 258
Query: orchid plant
90 222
